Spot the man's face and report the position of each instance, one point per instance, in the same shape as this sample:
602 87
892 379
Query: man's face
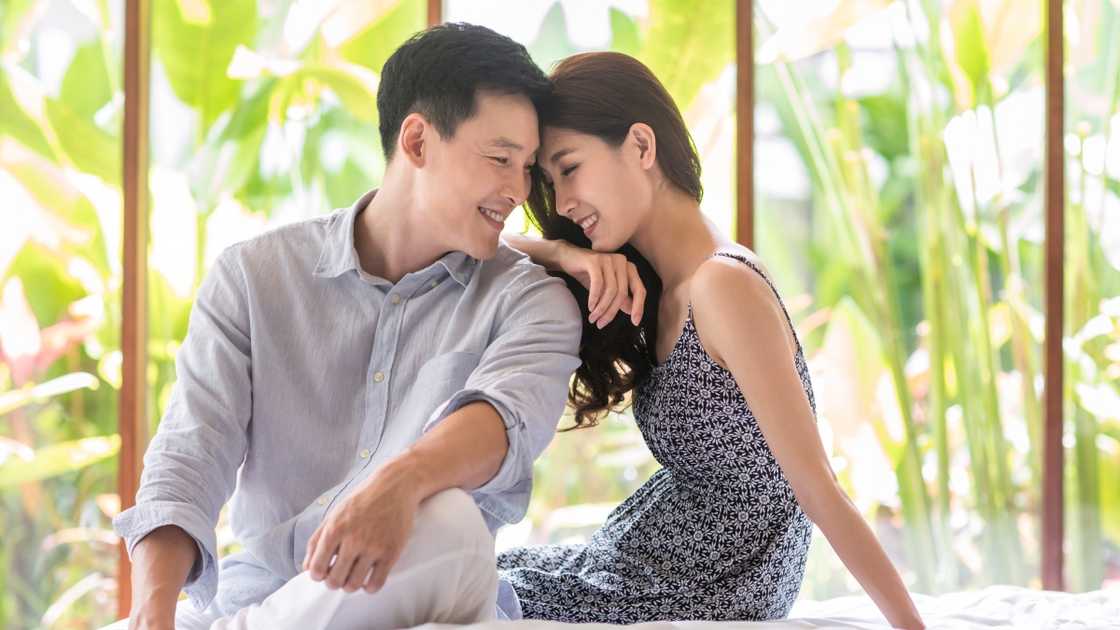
471 181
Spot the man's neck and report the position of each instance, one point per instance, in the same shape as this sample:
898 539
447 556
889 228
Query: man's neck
390 237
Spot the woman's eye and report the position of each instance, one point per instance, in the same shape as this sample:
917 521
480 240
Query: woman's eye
568 171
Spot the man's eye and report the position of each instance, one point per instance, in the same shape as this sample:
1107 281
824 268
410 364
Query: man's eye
500 160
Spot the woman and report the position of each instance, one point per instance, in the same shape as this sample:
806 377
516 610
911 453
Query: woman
720 388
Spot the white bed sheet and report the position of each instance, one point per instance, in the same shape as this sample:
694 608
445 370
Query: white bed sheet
1000 607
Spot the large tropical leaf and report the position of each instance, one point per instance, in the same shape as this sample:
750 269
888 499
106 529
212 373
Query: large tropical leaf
811 33
15 122
687 48
366 34
195 41
14 399
86 86
57 459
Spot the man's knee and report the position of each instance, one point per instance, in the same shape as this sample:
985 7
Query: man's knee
451 521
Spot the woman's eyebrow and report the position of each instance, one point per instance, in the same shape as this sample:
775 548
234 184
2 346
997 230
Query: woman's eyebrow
559 154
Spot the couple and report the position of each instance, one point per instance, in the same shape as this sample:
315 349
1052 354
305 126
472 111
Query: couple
373 386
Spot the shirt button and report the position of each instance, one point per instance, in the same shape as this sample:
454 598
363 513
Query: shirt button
396 299
434 283
322 501
364 454
378 377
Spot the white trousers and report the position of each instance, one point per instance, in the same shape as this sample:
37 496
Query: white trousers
446 574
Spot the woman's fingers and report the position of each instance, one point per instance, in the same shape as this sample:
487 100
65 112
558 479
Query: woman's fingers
608 292
637 294
618 271
595 287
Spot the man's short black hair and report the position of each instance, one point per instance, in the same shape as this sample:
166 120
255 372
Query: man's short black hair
438 71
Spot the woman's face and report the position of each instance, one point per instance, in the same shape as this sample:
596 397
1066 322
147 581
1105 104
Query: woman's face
604 189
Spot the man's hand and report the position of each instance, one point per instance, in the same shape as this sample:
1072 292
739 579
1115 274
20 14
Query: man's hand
365 535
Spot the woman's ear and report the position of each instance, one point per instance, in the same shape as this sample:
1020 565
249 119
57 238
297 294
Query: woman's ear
645 140
411 139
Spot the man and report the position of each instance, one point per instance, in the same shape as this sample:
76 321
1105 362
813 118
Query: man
350 379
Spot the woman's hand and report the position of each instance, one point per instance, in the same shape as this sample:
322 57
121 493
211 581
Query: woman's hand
611 280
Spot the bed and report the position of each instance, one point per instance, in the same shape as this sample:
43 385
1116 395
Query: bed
1003 607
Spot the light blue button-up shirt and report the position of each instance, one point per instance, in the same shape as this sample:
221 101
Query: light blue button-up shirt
301 375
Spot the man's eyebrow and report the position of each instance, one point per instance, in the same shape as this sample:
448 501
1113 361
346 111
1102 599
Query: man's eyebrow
503 142
559 154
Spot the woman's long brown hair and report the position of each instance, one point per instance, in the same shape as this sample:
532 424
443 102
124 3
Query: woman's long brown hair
603 94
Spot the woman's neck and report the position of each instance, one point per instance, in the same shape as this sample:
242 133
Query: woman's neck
676 237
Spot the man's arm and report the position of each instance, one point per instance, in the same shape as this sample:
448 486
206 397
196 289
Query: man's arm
161 562
191 463
484 439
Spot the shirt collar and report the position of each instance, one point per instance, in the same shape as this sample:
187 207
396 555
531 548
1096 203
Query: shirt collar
339 255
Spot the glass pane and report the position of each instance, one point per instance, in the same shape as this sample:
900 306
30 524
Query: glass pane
586 473
1092 300
280 125
899 187
61 108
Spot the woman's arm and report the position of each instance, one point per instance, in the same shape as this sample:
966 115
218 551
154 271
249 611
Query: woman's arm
612 281
541 251
726 295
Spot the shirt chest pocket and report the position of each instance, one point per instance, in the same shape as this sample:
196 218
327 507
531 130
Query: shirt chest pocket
443 376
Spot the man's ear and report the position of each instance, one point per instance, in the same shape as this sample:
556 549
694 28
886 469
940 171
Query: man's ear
411 141
642 136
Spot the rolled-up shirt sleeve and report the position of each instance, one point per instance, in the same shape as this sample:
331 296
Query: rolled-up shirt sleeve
191 464
524 374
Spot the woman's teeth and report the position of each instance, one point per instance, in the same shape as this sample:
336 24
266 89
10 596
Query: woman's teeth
493 215
589 221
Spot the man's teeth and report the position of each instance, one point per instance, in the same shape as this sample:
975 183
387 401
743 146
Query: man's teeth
589 221
493 215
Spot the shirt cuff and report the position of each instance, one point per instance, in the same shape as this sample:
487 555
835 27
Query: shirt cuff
140 520
513 472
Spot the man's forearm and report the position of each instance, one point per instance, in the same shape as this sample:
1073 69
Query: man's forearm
161 562
464 451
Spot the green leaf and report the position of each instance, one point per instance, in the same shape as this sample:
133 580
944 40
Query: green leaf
57 459
49 186
196 46
231 153
552 43
884 125
971 49
373 46
85 86
625 37
13 19
50 289
15 122
12 400
90 148
687 48
355 87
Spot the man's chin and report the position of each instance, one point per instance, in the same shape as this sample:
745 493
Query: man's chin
483 251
